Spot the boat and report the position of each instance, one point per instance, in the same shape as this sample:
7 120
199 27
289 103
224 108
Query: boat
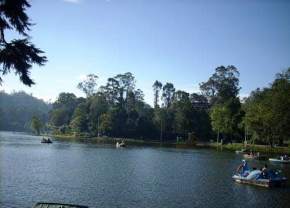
57 205
241 151
121 144
46 140
280 160
255 177
251 155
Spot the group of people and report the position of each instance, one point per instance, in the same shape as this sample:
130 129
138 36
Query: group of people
244 170
284 157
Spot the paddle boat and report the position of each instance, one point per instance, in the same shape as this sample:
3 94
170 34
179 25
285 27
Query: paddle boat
251 155
57 205
121 144
263 178
46 140
281 159
241 151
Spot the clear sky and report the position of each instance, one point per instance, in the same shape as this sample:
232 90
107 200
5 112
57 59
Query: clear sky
178 41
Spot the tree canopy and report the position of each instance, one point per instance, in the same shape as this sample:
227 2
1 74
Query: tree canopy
17 54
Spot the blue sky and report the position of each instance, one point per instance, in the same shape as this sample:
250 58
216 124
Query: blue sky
178 41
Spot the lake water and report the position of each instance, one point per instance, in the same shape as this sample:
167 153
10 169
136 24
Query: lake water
103 176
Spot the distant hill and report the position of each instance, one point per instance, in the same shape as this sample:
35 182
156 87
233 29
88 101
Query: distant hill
17 109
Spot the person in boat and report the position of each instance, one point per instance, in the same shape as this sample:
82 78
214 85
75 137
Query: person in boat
243 168
285 157
264 170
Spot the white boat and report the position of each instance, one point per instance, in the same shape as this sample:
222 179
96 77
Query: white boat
240 151
121 144
255 178
279 160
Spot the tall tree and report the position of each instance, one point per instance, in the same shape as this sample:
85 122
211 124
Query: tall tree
88 86
157 86
168 94
222 85
18 54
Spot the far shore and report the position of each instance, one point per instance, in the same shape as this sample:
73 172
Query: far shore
265 149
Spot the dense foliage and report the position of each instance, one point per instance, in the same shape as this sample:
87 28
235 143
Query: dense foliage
17 110
117 109
267 111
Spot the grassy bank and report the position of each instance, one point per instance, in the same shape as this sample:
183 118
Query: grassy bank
255 148
109 140
138 142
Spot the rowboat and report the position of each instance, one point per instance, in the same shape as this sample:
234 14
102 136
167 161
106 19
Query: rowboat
57 205
46 140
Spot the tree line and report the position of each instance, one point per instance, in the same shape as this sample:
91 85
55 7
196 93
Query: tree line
117 109
17 110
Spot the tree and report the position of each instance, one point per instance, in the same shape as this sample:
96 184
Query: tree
63 109
111 91
157 86
182 110
168 94
126 84
222 85
36 125
267 111
97 106
18 54
79 119
88 86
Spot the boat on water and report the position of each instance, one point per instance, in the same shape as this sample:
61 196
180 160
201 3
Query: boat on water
241 151
256 156
46 140
282 159
57 205
263 177
120 144
256 178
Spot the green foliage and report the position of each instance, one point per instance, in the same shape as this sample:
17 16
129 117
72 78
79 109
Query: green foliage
168 94
157 86
17 110
222 85
222 90
88 86
267 111
79 121
117 109
36 125
18 54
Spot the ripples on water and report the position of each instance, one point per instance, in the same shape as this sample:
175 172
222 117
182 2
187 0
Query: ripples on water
103 176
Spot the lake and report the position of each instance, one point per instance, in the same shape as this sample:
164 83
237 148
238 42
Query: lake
103 176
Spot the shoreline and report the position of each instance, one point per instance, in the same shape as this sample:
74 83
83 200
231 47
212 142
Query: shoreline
138 142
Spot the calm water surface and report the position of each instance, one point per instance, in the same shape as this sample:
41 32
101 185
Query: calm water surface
103 176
